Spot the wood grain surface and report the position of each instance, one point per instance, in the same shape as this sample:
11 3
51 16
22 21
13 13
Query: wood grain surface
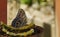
3 11
57 10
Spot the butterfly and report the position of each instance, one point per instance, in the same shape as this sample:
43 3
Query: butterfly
20 19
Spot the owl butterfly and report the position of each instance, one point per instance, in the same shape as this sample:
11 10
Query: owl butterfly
20 19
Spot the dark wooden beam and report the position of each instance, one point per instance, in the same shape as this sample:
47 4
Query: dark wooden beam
3 11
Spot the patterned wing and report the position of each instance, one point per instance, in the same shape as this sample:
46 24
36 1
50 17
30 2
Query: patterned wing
20 19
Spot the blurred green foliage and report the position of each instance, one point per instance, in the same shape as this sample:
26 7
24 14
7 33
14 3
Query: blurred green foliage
29 2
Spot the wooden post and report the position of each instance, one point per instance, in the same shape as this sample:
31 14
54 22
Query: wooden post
57 10
3 11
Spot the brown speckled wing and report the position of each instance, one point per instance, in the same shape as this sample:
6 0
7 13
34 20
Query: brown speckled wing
20 19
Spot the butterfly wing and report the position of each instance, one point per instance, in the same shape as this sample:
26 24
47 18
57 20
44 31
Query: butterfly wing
20 19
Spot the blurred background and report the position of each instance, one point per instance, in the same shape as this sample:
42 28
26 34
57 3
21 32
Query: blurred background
41 11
